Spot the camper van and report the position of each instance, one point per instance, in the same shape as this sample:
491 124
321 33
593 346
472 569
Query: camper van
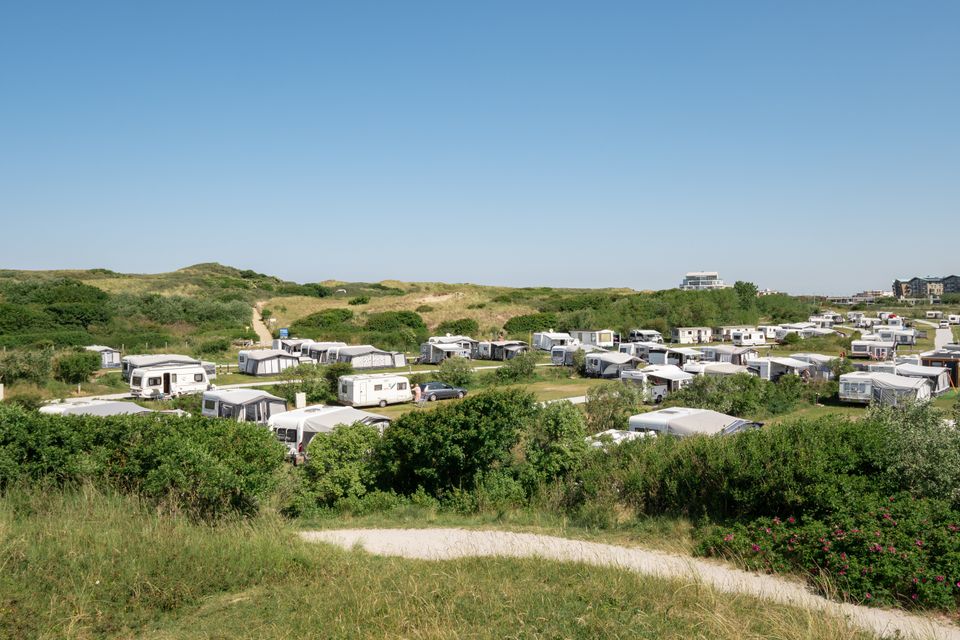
242 405
645 335
373 389
747 337
168 381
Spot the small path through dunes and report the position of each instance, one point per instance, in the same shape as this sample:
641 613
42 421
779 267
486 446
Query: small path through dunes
263 333
444 544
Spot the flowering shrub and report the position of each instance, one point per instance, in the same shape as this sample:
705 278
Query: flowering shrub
883 550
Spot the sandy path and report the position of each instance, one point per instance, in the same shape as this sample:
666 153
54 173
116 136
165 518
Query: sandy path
266 338
441 544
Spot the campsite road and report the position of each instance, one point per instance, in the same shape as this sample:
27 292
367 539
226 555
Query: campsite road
943 337
263 334
442 544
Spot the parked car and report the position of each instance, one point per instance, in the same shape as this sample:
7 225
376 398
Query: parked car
440 391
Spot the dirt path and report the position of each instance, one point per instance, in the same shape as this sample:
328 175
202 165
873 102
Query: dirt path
441 544
266 338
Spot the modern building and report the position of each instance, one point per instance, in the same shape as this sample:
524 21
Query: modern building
926 287
703 280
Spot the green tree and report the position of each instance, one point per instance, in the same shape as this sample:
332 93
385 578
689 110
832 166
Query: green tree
556 445
342 463
519 368
76 366
610 405
746 294
456 371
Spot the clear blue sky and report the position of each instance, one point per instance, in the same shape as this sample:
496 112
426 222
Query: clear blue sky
806 146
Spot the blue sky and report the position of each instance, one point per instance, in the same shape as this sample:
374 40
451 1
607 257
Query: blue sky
810 147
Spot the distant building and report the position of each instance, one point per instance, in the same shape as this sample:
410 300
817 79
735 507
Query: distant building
703 280
864 297
926 287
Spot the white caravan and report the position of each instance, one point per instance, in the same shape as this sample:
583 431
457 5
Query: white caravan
168 381
684 422
748 337
296 428
373 389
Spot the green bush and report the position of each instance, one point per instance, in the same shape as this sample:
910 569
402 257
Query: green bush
519 368
208 469
610 405
461 327
424 308
532 322
555 444
452 446
342 463
456 371
216 346
394 320
28 365
745 395
77 366
359 300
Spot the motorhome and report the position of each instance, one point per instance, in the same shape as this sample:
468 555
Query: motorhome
684 422
295 429
657 381
242 405
865 387
691 335
598 337
168 381
748 337
129 363
645 335
368 390
547 340
874 349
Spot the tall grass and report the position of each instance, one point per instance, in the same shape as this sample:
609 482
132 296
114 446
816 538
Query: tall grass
85 564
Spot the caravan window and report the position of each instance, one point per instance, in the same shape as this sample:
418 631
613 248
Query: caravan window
198 377
136 381
252 413
378 387
210 405
287 435
402 386
153 382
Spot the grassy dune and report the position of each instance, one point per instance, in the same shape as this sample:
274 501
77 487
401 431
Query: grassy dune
85 565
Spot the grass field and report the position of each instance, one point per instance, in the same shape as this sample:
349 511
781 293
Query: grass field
87 565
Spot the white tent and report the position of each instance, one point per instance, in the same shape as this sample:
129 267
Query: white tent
939 377
883 388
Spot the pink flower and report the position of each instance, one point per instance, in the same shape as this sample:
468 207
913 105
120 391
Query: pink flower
919 543
914 596
755 547
940 578
776 521
791 520
868 595
958 584
728 537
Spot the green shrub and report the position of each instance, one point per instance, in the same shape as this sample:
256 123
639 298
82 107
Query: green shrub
455 444
342 463
394 320
359 300
532 322
424 308
456 371
555 444
610 405
76 366
216 346
461 327
28 365
519 368
206 468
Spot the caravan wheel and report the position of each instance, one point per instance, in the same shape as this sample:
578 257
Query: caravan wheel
383 403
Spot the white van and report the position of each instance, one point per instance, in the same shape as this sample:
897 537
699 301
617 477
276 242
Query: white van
367 390
168 381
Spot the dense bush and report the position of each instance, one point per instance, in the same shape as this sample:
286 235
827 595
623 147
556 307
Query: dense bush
520 368
744 395
29 365
342 463
208 469
610 405
394 320
213 347
453 446
460 327
76 366
456 371
326 319
532 322
554 445
359 300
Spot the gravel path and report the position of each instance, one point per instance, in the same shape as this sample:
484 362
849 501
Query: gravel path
442 544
